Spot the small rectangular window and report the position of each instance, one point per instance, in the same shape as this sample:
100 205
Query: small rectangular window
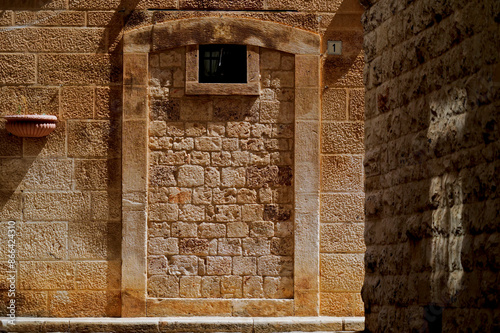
222 69
222 63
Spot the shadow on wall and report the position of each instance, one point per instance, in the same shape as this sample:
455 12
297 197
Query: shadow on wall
445 207
345 26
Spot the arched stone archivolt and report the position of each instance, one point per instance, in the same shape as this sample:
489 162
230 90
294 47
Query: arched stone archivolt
305 46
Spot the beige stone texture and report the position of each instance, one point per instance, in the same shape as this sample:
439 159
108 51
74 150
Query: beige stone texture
55 69
77 102
42 241
342 237
48 275
50 40
29 174
92 139
203 199
75 303
342 272
58 206
170 307
342 173
20 69
342 138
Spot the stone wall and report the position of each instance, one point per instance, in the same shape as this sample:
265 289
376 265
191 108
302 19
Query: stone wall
432 166
65 191
220 185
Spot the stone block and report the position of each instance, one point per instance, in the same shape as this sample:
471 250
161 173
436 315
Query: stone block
210 287
190 287
342 207
211 230
53 40
240 129
235 109
192 213
94 240
270 59
256 247
183 265
74 303
233 177
135 102
262 308
42 241
163 286
135 69
278 287
269 112
357 104
92 139
282 246
275 266
196 109
157 265
229 247
46 275
165 246
343 138
21 69
231 287
31 304
11 209
77 102
227 213
307 104
39 174
237 229
97 174
184 229
307 71
166 307
208 143
342 272
342 173
57 206
253 287
212 177
194 246
246 196
108 103
337 304
224 196
219 265
191 175
334 104
344 71
244 265
163 212
342 237
78 69
260 228
97 275
196 129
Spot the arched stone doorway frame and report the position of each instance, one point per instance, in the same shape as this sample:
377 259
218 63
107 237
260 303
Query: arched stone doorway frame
306 46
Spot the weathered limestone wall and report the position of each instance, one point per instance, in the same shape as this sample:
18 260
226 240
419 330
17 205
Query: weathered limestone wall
220 185
432 166
65 57
64 190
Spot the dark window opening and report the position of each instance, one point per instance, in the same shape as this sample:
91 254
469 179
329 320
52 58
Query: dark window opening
222 63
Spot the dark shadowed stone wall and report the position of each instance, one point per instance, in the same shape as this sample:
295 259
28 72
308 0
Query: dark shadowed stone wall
432 166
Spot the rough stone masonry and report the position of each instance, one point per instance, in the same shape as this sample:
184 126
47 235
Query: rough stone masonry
432 166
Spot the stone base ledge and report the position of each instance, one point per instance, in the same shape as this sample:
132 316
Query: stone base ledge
184 324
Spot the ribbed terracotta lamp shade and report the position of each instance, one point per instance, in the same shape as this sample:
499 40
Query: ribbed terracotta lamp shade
30 126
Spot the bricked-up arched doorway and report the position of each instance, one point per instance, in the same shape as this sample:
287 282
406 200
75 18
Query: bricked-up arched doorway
139 45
